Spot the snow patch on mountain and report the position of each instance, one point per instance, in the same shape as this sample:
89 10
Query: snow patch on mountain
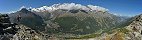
69 6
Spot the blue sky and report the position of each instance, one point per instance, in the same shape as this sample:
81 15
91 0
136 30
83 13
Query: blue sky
122 7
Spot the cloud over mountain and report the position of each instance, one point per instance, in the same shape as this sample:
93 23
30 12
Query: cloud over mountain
70 6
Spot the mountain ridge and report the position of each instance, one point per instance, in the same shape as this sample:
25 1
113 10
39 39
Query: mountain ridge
71 22
70 6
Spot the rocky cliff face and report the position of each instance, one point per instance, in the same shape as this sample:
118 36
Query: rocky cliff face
26 33
7 28
15 31
136 28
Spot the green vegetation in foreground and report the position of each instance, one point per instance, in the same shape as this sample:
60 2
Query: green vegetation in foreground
110 31
122 30
85 36
90 36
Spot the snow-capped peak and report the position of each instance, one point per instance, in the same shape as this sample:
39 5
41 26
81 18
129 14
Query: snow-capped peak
69 6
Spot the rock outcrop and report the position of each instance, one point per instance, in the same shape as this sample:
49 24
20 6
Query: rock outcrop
7 29
14 31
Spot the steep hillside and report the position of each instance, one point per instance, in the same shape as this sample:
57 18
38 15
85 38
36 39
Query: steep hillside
85 22
133 31
28 18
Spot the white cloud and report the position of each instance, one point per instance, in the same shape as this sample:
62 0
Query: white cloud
22 7
69 6
97 8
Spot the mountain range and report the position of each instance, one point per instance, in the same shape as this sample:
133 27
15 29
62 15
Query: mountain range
72 20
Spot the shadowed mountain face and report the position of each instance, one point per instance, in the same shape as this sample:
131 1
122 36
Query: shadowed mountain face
28 18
